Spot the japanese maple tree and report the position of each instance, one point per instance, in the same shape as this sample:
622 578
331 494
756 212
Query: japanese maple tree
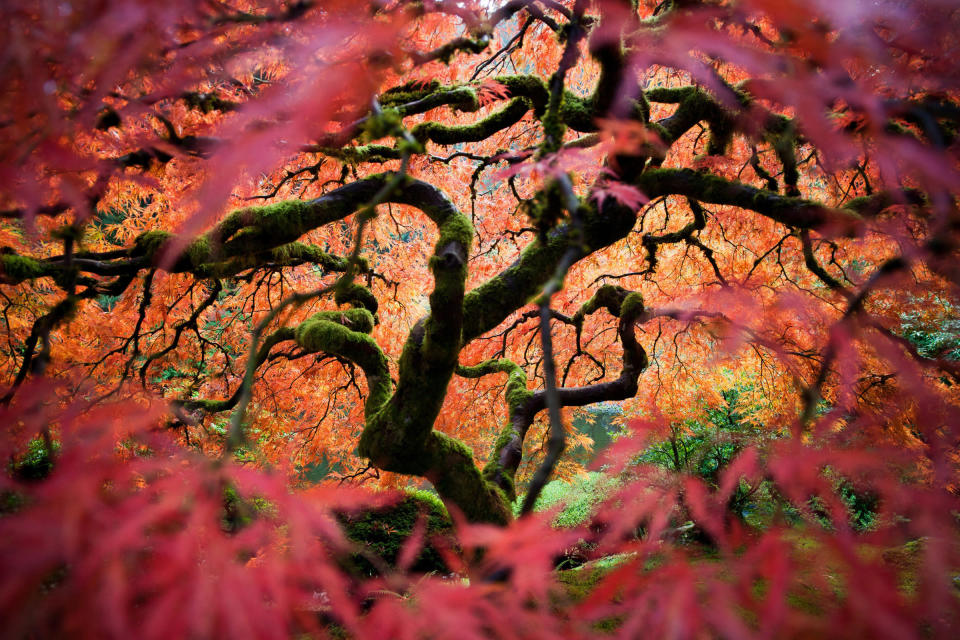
256 254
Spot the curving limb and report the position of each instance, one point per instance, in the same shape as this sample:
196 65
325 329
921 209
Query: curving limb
563 222
523 404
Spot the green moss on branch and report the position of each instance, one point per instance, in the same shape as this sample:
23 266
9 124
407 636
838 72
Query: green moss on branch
455 134
516 393
345 334
705 187
408 92
15 268
258 229
357 295
365 153
457 480
530 87
400 436
632 307
607 297
517 396
696 105
490 303
151 243
459 98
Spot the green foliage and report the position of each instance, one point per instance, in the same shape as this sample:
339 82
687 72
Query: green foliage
171 373
107 302
861 505
935 335
314 472
706 445
598 424
580 582
577 499
37 462
239 511
381 533
218 427
107 223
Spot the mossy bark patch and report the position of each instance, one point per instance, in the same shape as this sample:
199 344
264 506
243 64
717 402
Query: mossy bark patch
383 532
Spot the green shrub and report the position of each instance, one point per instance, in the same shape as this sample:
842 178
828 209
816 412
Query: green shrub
935 334
37 462
382 533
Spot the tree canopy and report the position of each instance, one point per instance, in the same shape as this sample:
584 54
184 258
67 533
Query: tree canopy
261 261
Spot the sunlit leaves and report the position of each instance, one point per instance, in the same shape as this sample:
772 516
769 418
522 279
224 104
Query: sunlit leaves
788 466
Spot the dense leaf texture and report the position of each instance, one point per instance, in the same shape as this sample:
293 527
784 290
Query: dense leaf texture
256 254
